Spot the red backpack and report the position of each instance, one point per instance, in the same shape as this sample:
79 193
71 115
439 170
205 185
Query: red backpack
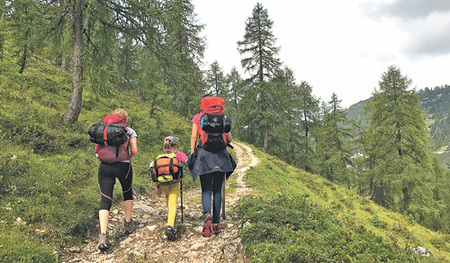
111 139
213 134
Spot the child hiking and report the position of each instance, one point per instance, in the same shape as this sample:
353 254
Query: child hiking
167 173
210 160
115 162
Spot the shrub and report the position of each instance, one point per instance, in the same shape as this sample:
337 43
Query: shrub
286 228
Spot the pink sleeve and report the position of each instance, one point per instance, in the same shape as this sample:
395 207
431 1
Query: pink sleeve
182 157
196 119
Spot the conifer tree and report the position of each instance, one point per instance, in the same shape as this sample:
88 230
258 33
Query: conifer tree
262 65
215 79
333 144
234 84
399 144
308 112
166 28
3 27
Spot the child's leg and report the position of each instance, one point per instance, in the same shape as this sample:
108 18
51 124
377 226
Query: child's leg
171 192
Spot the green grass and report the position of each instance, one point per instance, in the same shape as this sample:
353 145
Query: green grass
48 170
287 197
48 178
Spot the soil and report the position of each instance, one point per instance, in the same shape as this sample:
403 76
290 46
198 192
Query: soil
149 244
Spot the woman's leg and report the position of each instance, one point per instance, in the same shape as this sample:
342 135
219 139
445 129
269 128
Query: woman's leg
217 196
126 180
206 181
106 181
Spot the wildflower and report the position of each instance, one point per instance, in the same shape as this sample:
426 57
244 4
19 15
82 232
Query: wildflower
69 193
42 159
1 246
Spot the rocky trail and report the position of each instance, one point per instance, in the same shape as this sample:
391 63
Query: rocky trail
149 244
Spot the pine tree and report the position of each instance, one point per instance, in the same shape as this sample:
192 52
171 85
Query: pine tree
333 144
215 79
262 65
234 84
399 144
308 111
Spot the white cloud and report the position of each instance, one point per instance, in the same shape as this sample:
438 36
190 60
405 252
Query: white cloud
339 46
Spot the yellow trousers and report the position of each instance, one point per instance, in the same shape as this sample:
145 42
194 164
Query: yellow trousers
171 193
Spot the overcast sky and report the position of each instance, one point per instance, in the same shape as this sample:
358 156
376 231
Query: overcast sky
339 46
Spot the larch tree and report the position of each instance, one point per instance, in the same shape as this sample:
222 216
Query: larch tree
333 144
3 28
215 79
308 114
234 84
261 63
399 144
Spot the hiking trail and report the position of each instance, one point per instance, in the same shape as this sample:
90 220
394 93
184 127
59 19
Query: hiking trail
149 244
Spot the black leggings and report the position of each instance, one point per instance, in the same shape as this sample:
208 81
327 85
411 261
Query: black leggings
107 174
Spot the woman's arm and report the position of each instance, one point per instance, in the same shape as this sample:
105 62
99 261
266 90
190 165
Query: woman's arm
229 137
133 145
194 137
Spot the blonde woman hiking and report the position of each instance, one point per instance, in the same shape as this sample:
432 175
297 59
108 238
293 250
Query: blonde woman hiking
115 162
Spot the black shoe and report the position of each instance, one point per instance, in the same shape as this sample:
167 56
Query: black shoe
170 233
103 242
129 227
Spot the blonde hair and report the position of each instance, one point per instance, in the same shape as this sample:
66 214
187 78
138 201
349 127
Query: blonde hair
167 147
121 112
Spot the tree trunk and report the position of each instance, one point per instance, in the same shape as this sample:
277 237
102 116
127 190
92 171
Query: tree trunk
24 58
406 199
64 64
74 108
266 138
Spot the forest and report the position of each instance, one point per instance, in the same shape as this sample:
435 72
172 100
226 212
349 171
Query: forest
153 51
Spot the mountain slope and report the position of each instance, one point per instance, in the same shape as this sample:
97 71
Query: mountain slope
320 214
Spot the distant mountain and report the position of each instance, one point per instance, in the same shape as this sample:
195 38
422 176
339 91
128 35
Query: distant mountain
436 103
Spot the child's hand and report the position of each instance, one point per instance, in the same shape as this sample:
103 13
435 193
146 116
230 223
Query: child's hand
158 192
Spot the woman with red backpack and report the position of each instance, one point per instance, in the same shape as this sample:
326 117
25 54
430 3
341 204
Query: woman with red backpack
115 162
210 160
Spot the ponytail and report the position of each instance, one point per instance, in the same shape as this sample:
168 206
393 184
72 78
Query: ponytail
166 148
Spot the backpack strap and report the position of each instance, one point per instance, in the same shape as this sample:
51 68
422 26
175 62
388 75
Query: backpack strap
171 166
105 134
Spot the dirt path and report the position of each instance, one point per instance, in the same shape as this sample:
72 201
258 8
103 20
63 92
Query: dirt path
149 244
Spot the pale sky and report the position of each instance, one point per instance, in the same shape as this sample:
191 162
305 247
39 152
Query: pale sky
339 46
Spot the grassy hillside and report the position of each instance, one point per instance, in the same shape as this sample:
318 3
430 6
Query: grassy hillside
49 193
301 217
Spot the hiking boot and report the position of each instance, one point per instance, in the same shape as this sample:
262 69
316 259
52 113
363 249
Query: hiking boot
170 233
103 242
207 230
216 229
129 227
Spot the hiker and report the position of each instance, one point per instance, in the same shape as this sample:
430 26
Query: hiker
171 189
107 174
212 166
